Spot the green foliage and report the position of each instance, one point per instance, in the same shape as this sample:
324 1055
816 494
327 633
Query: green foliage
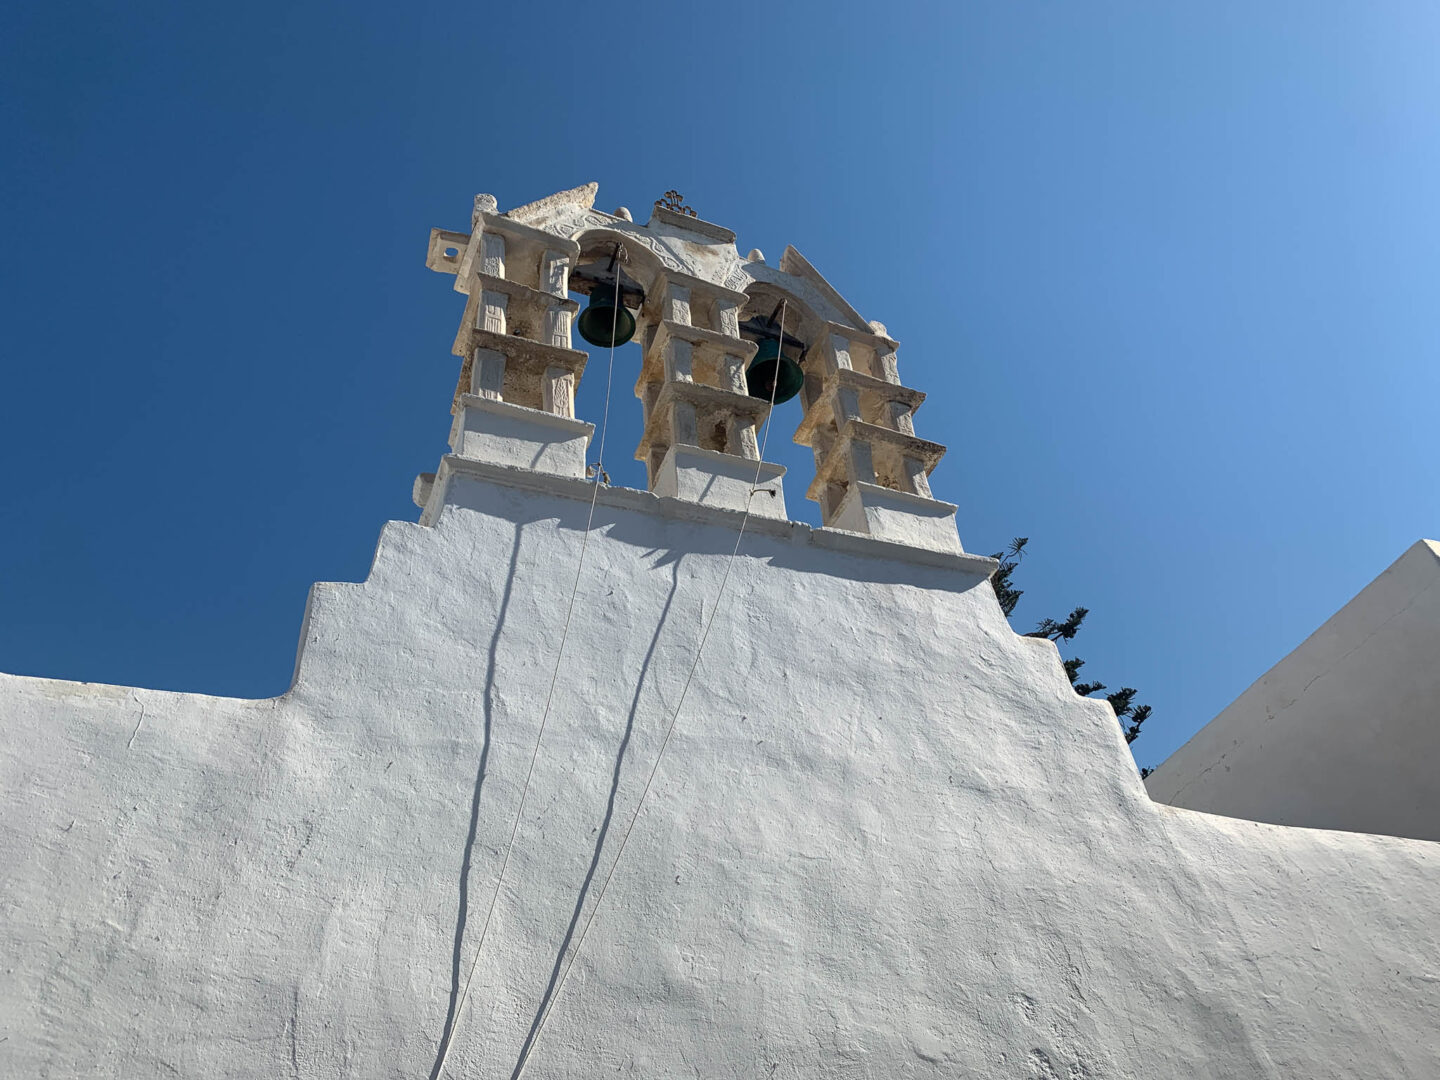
1009 560
1130 715
1061 631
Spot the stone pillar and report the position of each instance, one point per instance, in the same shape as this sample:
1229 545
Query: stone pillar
487 374
727 317
847 404
559 391
898 413
491 317
492 254
871 470
700 438
555 273
515 406
684 429
677 304
742 441
860 463
888 364
678 360
555 280
732 372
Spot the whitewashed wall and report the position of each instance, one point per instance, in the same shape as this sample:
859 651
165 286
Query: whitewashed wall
887 840
1344 732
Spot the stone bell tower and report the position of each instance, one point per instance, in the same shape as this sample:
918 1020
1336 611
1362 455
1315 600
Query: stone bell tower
700 309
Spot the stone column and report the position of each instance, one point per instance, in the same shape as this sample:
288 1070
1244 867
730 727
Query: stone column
516 409
491 316
676 305
492 254
555 280
871 470
487 374
700 441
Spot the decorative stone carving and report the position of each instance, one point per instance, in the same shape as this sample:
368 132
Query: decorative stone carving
492 257
556 273
492 311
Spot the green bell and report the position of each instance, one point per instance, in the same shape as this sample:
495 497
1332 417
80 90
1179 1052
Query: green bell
772 372
604 316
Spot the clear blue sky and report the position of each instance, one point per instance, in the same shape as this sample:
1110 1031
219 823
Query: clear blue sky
1167 272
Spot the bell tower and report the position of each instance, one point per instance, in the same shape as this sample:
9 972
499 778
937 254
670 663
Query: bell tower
722 338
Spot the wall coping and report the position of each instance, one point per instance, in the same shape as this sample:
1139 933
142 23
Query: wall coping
622 498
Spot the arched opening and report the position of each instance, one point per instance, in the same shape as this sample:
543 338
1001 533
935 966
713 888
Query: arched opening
766 307
607 260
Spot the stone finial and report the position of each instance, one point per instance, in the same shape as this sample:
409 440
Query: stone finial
484 204
623 213
879 328
756 255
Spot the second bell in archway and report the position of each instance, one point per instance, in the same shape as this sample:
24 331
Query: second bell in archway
606 322
772 373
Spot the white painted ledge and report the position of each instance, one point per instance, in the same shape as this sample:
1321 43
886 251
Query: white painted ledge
724 480
899 516
518 437
453 468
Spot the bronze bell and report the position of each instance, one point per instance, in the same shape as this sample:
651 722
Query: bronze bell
606 322
772 374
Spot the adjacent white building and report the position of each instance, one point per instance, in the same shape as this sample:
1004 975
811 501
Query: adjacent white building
866 831
1344 733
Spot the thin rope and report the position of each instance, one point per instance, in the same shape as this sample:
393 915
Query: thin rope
549 697
605 416
765 435
669 730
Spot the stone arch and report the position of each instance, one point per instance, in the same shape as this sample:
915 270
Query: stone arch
639 268
805 337
692 355
596 242
801 322
856 414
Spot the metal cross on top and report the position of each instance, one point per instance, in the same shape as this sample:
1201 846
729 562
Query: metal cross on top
673 200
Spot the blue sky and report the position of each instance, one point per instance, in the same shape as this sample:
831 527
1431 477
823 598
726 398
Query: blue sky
1167 273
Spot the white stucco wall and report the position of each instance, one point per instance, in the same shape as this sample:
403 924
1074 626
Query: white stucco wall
887 840
1344 732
